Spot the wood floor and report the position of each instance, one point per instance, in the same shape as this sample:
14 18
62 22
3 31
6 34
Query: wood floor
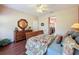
17 48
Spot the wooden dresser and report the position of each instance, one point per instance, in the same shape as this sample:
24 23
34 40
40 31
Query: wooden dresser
20 35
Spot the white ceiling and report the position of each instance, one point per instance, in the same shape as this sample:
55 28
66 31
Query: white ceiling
31 8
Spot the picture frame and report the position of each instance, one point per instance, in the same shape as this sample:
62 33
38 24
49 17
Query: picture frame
42 24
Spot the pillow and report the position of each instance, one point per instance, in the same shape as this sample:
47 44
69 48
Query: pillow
68 33
75 34
77 39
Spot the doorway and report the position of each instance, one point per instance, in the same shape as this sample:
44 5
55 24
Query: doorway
51 25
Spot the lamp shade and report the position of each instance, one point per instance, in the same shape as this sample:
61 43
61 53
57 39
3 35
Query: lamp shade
75 26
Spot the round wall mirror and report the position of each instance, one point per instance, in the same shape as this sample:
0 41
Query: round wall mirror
22 23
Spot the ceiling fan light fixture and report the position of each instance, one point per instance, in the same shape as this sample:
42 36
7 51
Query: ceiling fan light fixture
42 8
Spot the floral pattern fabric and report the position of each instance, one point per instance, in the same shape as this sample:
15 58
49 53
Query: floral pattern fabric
38 45
68 46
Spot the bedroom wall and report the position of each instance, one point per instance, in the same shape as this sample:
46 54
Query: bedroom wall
64 19
8 22
9 17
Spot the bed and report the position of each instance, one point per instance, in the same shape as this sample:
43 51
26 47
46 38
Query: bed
38 44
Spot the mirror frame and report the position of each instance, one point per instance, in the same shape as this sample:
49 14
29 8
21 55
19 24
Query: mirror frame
25 25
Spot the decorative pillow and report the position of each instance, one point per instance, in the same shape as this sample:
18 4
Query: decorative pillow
75 34
77 39
68 33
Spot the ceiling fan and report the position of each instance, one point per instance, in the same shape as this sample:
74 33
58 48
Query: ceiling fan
41 8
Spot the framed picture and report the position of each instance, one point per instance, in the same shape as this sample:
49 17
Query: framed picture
42 24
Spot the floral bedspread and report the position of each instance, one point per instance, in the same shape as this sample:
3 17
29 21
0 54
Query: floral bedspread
68 46
38 45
